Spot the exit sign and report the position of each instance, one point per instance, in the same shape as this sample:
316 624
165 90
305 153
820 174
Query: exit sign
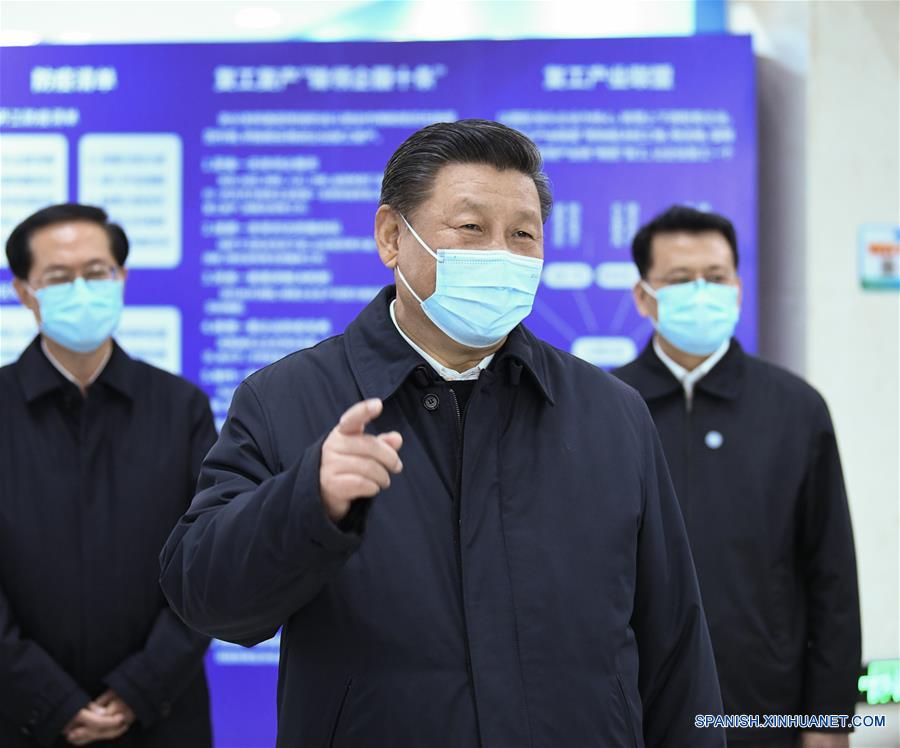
880 682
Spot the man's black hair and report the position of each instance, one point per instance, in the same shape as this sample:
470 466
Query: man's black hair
410 173
679 218
18 249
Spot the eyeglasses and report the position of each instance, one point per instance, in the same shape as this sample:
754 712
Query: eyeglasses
94 272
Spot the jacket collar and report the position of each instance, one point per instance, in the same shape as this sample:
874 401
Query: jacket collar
726 378
120 373
653 379
523 350
381 360
38 377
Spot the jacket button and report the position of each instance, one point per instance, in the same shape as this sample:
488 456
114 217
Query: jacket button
714 439
431 402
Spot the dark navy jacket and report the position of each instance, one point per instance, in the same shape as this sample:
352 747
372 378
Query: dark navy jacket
525 582
756 468
90 488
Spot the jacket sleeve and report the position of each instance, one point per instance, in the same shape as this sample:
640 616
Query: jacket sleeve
677 677
833 652
36 694
151 679
256 544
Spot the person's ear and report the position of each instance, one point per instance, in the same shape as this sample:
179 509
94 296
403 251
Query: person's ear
740 287
122 273
23 291
645 303
387 235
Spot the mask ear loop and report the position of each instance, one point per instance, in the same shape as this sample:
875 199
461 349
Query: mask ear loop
652 293
419 238
648 288
425 247
408 287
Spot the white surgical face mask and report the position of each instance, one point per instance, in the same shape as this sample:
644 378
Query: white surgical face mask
696 317
82 314
480 295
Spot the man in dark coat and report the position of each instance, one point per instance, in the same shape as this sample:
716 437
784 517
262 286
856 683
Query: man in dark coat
100 455
755 465
469 537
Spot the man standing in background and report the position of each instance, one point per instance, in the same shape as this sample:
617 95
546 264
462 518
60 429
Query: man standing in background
100 454
755 463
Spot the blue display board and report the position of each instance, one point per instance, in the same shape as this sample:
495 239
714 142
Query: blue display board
247 177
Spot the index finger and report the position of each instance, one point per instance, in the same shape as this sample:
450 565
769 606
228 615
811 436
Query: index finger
357 416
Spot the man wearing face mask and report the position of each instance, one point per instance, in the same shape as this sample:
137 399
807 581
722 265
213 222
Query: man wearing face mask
468 536
99 456
756 469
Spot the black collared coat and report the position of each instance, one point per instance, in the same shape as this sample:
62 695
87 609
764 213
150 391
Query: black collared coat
525 582
90 488
756 468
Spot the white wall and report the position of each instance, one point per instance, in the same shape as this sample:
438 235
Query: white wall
829 101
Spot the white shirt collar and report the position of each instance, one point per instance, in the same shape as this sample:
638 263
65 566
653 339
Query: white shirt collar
65 372
687 378
451 375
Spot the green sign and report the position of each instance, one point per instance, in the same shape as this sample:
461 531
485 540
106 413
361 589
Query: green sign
881 682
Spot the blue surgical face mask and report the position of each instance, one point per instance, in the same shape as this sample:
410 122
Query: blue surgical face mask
82 314
696 317
480 294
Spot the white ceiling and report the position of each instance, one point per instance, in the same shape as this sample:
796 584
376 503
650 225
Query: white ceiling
135 21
